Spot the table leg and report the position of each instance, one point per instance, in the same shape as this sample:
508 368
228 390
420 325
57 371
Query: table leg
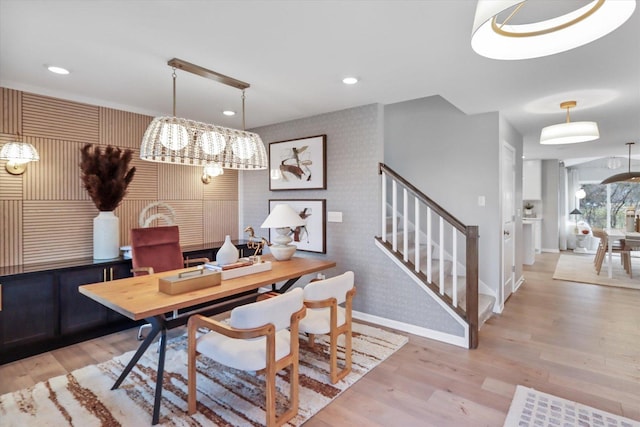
157 326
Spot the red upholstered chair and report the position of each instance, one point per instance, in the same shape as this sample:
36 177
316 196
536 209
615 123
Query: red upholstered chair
157 249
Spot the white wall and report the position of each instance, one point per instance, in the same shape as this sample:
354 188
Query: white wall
454 159
354 149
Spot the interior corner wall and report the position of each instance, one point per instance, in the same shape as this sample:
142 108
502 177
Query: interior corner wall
453 158
354 149
551 206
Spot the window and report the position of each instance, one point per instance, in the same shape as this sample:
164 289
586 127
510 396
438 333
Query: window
594 206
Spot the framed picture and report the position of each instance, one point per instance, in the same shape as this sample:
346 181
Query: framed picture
311 237
298 164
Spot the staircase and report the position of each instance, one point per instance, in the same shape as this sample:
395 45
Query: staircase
436 250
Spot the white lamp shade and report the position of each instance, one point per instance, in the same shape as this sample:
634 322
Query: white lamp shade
569 133
213 169
555 35
19 152
283 215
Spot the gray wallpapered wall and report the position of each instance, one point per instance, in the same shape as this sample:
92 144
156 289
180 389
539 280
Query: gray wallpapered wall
354 149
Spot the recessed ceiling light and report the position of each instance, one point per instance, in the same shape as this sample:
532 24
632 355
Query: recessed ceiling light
350 80
58 70
229 113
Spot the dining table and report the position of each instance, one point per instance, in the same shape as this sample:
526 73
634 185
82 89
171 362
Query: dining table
140 298
613 235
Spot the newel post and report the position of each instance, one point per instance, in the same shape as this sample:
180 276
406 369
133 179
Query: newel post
472 284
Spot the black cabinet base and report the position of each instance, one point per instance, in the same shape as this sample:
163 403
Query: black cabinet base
11 355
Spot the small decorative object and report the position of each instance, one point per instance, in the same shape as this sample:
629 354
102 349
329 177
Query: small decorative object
298 164
168 218
528 209
254 244
106 176
228 253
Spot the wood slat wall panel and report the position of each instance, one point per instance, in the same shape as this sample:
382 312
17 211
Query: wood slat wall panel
221 219
11 241
10 111
57 175
47 117
177 182
57 230
48 213
122 128
189 219
10 185
223 187
145 182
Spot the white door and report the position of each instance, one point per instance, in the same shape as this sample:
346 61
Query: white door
508 184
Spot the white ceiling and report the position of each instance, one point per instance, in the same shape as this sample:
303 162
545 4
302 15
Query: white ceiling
295 53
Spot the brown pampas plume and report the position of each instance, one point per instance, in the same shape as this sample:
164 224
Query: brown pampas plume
105 175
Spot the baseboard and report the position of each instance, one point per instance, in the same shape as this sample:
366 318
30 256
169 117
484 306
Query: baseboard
519 283
412 329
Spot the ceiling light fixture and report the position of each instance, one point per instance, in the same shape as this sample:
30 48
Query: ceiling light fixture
350 80
188 142
569 132
58 70
625 176
500 40
229 113
614 163
18 154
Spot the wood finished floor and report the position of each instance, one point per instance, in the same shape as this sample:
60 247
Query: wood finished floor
577 341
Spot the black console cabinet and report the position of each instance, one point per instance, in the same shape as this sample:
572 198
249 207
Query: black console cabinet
41 308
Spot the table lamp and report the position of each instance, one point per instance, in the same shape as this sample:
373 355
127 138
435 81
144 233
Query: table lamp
282 218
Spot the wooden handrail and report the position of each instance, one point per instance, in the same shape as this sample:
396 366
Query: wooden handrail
424 198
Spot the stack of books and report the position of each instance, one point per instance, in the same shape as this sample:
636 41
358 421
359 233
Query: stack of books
242 262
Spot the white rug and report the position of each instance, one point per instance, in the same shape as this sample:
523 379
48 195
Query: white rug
580 268
226 397
532 408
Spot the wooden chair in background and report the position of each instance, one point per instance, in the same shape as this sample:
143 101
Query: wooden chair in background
256 339
326 316
617 247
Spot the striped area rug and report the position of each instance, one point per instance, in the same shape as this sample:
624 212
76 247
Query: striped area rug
533 408
226 397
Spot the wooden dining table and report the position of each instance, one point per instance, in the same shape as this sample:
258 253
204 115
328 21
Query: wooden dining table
139 298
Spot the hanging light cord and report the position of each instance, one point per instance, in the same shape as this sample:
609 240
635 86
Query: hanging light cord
174 90
243 126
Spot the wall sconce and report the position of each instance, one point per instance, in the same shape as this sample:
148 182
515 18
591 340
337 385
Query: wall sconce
211 170
18 154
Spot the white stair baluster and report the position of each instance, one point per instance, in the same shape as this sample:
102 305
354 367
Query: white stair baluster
383 201
417 233
454 268
441 255
405 225
394 216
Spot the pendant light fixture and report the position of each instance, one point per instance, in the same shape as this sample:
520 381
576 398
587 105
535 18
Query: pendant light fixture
569 132
503 40
625 176
188 142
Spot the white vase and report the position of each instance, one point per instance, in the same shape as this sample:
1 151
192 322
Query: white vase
228 253
106 236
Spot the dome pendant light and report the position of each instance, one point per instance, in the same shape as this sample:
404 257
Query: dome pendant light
569 132
625 176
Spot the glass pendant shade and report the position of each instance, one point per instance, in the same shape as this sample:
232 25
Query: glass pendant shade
213 169
173 136
243 147
212 142
569 133
624 176
494 37
19 152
